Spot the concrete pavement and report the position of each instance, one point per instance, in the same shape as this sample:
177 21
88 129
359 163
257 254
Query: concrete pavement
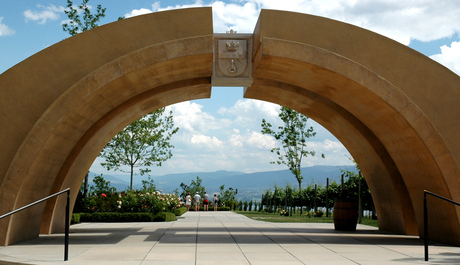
225 238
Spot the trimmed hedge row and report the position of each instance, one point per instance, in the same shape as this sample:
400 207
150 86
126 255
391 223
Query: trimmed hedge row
180 211
122 217
133 217
75 219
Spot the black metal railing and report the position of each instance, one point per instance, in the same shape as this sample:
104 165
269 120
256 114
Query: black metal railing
67 217
425 216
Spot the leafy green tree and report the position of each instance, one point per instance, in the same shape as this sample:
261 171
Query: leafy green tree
351 183
227 197
194 187
101 186
148 186
81 22
143 143
293 138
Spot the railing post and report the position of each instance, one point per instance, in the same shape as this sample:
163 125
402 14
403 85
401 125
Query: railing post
425 224
67 217
67 224
327 197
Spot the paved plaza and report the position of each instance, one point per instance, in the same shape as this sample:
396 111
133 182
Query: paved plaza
225 238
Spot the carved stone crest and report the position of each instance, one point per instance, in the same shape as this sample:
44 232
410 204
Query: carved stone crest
232 66
232 57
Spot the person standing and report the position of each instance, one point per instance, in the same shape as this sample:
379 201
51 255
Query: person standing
188 201
205 201
215 201
196 201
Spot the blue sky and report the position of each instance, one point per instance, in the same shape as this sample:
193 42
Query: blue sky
223 133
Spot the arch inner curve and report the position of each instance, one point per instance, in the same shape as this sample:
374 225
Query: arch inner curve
382 100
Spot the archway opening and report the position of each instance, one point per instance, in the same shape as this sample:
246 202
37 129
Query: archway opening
378 112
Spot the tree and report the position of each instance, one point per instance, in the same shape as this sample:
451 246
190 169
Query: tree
101 186
194 187
143 143
227 197
78 24
293 138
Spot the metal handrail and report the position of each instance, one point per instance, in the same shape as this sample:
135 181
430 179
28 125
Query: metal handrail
425 216
67 213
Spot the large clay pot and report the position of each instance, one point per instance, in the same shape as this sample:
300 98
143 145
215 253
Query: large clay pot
345 214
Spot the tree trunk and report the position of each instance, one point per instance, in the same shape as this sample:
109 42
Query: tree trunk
85 190
360 206
132 169
300 193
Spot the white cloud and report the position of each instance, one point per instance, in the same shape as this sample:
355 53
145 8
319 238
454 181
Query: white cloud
189 117
45 13
424 20
210 142
247 113
449 57
236 140
258 140
333 146
138 12
156 7
4 29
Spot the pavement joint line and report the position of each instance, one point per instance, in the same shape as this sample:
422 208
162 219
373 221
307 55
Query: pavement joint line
281 228
315 242
380 246
196 238
280 236
165 230
242 252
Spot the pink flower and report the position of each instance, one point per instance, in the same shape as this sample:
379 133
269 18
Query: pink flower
103 195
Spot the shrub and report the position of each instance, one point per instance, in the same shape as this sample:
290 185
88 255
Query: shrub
75 218
116 217
319 213
180 211
165 217
130 202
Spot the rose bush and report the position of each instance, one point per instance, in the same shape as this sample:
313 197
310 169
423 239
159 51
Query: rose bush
132 202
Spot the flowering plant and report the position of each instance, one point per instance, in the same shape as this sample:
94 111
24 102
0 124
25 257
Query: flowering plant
132 201
284 212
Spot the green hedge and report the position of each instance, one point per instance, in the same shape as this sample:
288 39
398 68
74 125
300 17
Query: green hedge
180 211
125 217
75 218
133 217
165 217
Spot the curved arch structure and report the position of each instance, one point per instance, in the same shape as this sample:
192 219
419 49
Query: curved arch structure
395 110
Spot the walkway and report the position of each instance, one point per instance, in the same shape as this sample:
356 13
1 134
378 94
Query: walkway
224 238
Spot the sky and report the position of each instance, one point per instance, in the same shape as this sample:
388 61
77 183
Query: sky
224 132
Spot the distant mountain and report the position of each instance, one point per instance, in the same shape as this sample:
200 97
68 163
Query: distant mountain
249 185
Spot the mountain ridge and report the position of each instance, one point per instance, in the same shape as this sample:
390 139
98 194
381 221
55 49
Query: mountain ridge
248 184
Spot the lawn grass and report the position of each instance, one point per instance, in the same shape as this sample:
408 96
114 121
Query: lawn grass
296 218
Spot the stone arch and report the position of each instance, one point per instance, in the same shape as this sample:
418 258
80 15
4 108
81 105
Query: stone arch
394 109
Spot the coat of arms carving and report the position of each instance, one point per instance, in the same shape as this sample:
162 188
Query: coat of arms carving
232 63
232 57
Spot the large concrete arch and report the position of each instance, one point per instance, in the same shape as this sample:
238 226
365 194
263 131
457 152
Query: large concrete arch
394 109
